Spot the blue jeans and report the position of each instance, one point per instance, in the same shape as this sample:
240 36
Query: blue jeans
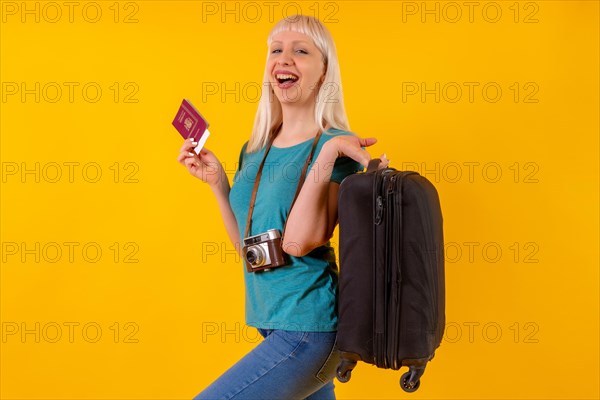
284 365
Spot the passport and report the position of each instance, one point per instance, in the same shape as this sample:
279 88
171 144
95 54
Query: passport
191 124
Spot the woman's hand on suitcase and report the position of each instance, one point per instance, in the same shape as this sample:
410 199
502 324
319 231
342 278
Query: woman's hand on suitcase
352 146
204 166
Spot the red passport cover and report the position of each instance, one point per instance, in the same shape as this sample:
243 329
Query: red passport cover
189 122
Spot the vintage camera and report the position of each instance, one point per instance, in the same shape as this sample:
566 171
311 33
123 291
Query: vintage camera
263 251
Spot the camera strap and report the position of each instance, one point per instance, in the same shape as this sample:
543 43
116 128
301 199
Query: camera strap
259 174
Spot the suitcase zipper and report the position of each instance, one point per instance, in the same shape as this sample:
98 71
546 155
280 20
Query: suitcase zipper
432 270
379 210
392 239
390 310
379 308
386 213
397 223
386 288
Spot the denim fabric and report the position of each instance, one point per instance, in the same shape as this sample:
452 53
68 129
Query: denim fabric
284 365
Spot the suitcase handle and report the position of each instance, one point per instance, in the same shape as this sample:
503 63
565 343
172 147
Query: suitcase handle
373 164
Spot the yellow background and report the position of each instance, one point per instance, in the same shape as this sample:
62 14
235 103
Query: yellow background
541 318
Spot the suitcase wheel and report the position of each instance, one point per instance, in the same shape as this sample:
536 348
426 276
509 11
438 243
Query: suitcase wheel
344 370
410 381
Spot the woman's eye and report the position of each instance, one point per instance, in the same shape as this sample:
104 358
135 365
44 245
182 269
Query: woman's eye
298 51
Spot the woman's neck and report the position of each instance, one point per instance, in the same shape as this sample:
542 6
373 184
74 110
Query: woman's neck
298 124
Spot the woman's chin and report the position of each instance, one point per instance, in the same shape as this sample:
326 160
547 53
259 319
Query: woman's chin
288 93
290 98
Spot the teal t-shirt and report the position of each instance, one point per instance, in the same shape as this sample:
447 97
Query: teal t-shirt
301 296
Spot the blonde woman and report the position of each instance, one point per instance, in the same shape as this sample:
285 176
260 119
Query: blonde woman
293 306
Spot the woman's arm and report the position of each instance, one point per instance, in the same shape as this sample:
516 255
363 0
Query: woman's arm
314 216
221 192
207 167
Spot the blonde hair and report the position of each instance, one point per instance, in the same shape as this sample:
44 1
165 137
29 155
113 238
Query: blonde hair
329 108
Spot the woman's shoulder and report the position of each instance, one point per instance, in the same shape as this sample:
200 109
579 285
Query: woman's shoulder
333 132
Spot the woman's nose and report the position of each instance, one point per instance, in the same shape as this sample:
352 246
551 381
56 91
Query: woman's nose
285 58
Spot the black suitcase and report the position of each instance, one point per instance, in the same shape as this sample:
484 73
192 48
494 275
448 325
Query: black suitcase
391 304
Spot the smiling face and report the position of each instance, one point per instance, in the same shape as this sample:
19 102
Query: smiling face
296 67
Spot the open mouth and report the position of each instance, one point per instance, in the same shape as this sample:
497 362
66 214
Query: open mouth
286 80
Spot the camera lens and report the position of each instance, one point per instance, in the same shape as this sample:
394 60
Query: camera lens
254 256
251 257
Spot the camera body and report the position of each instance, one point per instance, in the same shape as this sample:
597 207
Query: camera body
263 251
